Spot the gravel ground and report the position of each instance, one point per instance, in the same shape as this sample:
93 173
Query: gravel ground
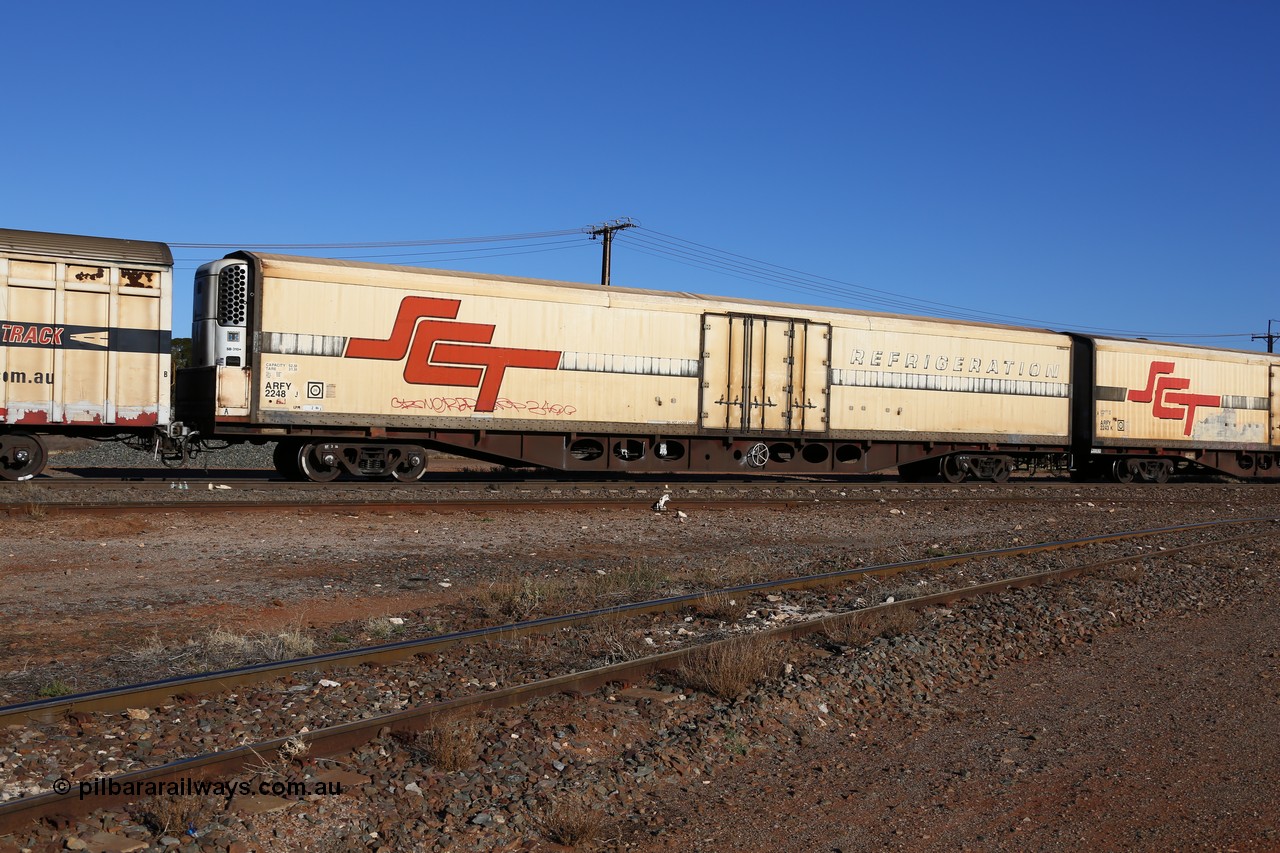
1159 736
125 582
1100 714
86 453
642 764
107 743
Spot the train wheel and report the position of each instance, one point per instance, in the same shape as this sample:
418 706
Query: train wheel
285 458
1122 471
951 470
410 467
1157 471
313 468
1001 472
21 456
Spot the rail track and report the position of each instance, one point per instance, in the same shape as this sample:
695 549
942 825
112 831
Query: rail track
333 739
204 493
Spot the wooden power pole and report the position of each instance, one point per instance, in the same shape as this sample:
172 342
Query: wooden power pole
605 232
1269 337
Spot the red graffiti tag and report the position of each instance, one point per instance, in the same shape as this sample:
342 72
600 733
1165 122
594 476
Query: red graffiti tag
449 353
441 405
1163 390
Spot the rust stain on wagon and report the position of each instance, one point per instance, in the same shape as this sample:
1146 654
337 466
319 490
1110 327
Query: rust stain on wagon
138 278
31 416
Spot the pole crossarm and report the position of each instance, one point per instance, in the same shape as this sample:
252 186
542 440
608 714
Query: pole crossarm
1269 337
605 231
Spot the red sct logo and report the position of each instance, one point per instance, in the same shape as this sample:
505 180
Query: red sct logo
1164 393
449 353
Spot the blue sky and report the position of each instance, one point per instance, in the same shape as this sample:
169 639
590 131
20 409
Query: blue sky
1079 165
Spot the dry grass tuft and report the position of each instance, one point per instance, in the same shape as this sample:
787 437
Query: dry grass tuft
721 607
381 627
280 766
641 580
1128 573
733 667
515 599
1106 597
56 687
861 627
732 570
223 649
569 819
32 512
173 815
293 749
447 744
32 500
904 591
611 640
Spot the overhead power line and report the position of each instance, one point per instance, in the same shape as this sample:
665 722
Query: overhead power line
507 246
693 254
690 253
473 254
381 244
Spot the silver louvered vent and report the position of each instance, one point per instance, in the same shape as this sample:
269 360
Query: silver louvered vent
233 295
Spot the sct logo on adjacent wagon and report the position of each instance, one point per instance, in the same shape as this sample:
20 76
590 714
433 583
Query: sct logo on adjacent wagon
1174 393
1164 393
449 353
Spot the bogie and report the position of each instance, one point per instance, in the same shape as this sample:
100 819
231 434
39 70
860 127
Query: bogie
323 462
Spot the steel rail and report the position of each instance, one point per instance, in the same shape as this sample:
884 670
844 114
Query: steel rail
540 502
492 492
158 692
336 740
532 504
